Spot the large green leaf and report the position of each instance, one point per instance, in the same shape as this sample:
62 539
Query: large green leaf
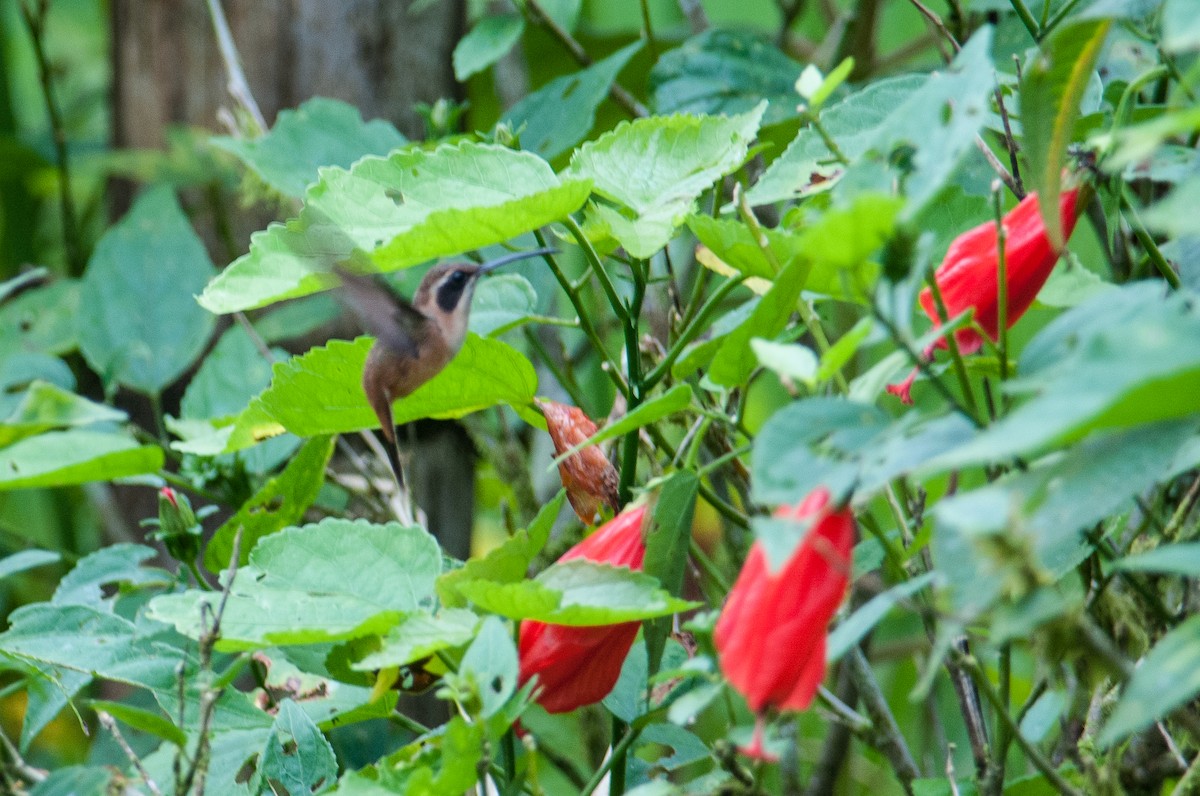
1047 506
486 43
420 635
1051 90
297 756
91 640
278 503
844 445
807 165
509 561
1168 677
577 592
656 168
558 115
413 206
920 143
725 71
45 406
321 132
1180 26
1128 356
58 458
139 321
338 579
500 303
233 372
42 319
668 538
734 361
321 392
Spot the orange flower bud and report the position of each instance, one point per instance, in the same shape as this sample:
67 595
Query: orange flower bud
590 479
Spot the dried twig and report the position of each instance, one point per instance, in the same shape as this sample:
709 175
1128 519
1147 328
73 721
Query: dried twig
110 724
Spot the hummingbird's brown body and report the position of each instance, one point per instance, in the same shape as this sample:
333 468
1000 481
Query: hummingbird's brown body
413 341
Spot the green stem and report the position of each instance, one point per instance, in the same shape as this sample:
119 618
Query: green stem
563 376
960 367
1124 111
619 749
1143 236
593 259
649 30
200 581
36 23
1059 15
708 567
690 332
1027 19
1032 752
1001 286
585 321
830 144
995 783
636 388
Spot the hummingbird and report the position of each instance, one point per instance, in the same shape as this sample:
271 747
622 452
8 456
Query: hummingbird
413 340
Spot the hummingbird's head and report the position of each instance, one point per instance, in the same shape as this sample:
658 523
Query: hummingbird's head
445 293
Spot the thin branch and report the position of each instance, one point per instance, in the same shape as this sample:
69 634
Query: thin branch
35 21
238 87
936 21
18 763
888 739
110 724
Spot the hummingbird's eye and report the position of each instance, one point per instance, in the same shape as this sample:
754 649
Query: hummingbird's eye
458 277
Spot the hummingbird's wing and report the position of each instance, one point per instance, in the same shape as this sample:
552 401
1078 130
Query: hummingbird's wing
393 320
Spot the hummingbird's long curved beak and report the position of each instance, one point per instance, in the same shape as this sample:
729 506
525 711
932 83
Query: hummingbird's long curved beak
512 258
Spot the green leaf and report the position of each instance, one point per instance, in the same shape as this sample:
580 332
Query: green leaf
1051 90
279 503
72 780
577 593
501 302
136 298
1174 559
844 445
1180 26
920 143
1125 357
492 661
437 763
59 458
408 208
1167 677
807 165
486 43
296 588
735 245
120 564
321 132
673 400
852 630
88 639
734 361
296 755
558 115
790 361
667 549
48 691
421 635
41 320
1055 499
508 562
156 724
321 392
233 373
725 72
656 168
26 560
45 406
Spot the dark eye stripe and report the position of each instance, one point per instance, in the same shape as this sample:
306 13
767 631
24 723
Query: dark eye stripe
451 290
